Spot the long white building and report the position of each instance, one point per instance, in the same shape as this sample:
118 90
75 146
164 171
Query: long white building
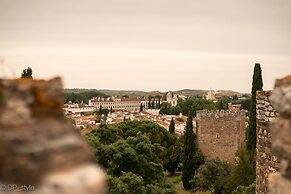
129 104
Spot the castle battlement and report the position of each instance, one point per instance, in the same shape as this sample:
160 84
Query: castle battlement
219 114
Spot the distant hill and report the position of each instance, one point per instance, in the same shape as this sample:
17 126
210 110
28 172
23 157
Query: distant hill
190 92
138 93
129 93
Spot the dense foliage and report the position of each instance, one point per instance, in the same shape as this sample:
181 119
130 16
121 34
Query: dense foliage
192 158
27 73
218 177
211 176
82 96
194 104
251 189
257 85
243 174
185 107
134 154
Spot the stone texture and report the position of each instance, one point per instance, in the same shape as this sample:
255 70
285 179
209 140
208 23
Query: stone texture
266 162
221 133
38 145
280 183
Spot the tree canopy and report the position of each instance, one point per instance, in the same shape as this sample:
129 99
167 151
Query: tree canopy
82 96
211 176
27 73
134 154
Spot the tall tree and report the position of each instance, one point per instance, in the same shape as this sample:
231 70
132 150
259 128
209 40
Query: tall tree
141 107
191 158
149 103
27 73
153 104
251 131
100 112
172 126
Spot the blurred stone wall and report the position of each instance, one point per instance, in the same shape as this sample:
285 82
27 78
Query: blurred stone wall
266 162
40 152
280 182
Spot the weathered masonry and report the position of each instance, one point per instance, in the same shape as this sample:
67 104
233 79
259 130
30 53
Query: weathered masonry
266 162
280 182
39 149
221 133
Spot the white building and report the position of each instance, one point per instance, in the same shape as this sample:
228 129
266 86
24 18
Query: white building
74 108
172 98
210 95
128 104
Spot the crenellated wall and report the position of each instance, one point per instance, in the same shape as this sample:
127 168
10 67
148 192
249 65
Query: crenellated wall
220 133
266 162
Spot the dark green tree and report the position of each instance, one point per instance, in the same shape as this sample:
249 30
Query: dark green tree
78 97
153 104
27 73
251 189
234 97
173 152
141 107
137 152
257 85
150 103
243 173
191 158
172 126
100 110
211 175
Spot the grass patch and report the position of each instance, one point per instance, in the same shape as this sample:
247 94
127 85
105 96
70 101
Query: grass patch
176 180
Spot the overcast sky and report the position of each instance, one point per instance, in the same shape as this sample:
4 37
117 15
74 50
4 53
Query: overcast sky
147 44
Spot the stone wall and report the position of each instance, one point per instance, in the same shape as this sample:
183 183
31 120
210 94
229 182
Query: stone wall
280 182
39 150
220 133
266 162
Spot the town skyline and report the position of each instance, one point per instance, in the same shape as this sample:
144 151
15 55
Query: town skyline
231 83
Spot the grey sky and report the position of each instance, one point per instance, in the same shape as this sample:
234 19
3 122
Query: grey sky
149 44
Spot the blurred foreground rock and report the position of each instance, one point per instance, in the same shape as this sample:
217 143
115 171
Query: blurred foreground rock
280 182
38 146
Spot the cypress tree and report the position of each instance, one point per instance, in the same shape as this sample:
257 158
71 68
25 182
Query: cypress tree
172 126
100 110
27 73
257 85
153 104
150 104
141 107
191 158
